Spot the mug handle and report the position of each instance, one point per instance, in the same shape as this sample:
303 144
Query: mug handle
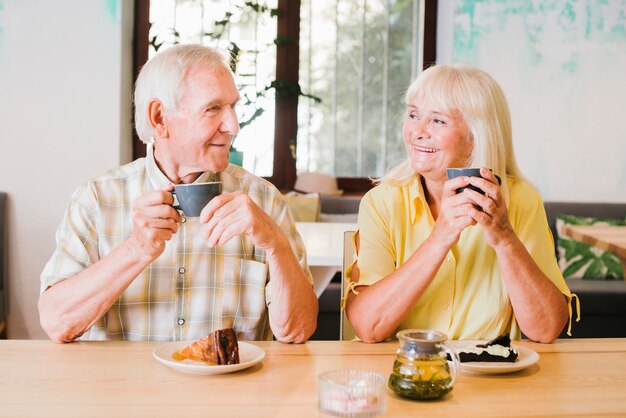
455 363
175 205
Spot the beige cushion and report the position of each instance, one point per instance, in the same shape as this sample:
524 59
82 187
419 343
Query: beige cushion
317 183
304 207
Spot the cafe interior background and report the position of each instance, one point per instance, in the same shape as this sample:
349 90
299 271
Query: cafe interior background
66 75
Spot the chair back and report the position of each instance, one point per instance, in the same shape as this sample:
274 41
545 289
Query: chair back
346 332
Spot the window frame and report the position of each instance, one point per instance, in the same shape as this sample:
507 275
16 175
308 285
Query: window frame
287 68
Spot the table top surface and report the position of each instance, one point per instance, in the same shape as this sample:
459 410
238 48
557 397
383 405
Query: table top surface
324 241
573 377
609 238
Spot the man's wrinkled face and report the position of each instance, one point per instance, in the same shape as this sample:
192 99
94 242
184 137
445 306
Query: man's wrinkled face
201 130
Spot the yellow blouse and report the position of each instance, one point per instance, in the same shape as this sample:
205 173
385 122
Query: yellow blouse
468 298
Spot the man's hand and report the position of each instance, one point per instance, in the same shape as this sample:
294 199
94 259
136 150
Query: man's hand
233 214
293 309
154 222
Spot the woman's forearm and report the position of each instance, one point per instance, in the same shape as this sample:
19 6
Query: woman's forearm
540 307
377 311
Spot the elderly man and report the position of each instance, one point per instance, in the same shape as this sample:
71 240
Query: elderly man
129 266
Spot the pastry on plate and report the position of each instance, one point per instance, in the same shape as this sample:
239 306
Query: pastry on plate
218 348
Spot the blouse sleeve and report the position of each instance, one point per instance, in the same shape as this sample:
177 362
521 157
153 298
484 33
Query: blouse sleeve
376 256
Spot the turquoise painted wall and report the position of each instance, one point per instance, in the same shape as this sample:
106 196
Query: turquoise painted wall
562 65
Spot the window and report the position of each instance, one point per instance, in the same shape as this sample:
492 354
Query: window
249 36
358 56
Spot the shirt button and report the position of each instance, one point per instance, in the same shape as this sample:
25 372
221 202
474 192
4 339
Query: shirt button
183 220
181 321
181 270
446 306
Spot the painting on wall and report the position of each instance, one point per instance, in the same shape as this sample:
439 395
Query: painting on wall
562 65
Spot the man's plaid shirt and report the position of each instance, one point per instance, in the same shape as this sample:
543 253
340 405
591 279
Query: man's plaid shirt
190 289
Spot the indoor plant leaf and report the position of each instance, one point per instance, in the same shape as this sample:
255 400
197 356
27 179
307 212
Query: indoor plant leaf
575 266
594 270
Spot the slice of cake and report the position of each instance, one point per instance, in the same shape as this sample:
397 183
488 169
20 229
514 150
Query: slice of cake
496 350
218 348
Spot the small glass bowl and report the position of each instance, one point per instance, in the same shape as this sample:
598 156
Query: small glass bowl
352 393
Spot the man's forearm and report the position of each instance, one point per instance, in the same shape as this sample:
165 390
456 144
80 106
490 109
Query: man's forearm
293 308
70 307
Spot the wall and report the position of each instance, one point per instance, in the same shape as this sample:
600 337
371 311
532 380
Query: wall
562 65
65 83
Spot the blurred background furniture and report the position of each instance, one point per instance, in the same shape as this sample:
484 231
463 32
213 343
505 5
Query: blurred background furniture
603 309
3 266
603 303
595 210
339 208
312 182
304 207
324 246
606 237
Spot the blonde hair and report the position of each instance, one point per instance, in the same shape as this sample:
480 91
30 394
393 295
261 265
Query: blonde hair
163 78
483 106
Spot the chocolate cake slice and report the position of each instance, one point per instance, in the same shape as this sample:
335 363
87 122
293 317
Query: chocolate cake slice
218 348
497 350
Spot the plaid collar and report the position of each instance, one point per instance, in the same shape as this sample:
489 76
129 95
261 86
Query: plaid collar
158 180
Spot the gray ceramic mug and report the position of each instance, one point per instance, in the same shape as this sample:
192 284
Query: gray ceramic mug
470 172
193 197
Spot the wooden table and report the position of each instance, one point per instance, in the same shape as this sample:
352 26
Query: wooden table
585 377
324 247
607 238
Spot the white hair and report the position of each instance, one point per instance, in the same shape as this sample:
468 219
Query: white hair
483 106
163 76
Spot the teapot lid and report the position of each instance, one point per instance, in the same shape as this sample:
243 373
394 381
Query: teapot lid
426 340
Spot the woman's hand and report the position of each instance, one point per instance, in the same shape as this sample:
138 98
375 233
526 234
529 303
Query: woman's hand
453 215
489 210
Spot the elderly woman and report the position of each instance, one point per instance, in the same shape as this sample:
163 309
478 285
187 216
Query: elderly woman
471 265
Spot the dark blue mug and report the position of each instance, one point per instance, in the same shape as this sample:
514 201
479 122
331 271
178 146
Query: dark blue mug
193 197
469 172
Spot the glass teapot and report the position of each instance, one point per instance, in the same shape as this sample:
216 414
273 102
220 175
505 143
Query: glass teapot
421 369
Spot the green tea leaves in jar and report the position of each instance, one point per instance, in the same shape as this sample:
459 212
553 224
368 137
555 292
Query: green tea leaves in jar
420 379
420 370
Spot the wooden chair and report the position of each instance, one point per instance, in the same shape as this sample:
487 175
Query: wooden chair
346 332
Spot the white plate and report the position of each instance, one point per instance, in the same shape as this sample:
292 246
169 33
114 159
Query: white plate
526 358
249 355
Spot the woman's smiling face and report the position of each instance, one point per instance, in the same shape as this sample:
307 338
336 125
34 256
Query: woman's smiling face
435 140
